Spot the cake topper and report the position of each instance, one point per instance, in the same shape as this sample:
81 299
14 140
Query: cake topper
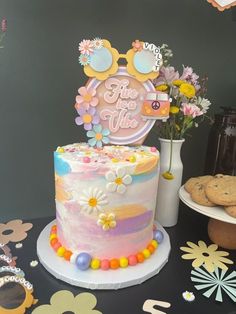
119 104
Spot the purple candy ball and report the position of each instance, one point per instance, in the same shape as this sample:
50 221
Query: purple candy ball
83 261
158 236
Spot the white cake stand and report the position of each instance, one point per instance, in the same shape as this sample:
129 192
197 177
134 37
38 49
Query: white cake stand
221 226
99 279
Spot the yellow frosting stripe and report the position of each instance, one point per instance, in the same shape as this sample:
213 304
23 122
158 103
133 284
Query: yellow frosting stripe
147 164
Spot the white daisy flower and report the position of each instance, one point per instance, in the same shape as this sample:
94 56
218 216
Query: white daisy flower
92 200
97 43
188 296
107 221
34 263
118 180
204 103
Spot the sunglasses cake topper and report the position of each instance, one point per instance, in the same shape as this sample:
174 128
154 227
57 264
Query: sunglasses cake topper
119 104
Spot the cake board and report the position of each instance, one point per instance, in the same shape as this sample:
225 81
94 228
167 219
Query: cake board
100 279
221 226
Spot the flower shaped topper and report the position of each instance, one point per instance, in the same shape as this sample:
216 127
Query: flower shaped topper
86 98
87 118
99 136
208 256
107 221
64 301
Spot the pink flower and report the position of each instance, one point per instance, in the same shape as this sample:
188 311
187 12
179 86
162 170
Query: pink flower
191 110
137 45
4 25
86 47
189 76
167 75
86 98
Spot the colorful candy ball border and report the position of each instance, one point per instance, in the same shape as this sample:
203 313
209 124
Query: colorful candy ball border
84 261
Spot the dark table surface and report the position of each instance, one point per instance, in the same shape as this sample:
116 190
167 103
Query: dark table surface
168 285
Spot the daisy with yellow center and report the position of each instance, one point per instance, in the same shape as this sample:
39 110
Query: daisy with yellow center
208 256
174 109
93 200
106 221
178 82
162 87
118 180
187 90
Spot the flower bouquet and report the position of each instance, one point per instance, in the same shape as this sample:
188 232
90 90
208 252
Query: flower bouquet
188 103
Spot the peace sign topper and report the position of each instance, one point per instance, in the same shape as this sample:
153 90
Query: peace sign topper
119 104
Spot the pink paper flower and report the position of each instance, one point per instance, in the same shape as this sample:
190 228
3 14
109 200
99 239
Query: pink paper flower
191 110
86 47
4 25
167 75
189 76
86 98
87 118
137 45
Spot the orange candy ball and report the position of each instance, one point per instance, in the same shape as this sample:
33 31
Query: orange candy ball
114 263
140 257
53 241
67 254
54 229
151 248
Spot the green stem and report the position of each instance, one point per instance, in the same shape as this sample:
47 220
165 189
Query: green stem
171 151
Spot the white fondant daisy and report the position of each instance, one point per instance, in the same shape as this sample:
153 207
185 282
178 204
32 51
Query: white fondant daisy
188 296
118 180
92 200
107 221
97 43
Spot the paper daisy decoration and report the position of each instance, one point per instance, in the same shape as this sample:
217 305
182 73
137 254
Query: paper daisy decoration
215 282
86 47
97 43
118 180
107 221
93 200
84 59
208 256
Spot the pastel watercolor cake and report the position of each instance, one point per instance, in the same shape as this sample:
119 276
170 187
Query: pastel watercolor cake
106 189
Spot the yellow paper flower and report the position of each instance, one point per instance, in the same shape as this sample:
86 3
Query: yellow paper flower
187 90
64 301
168 175
208 256
162 87
174 109
178 82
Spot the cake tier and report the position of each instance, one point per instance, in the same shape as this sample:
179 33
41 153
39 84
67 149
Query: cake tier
105 198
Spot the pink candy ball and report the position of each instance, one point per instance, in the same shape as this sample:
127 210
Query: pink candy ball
153 149
86 160
105 265
132 260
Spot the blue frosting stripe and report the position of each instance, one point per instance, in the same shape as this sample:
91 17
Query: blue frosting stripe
61 166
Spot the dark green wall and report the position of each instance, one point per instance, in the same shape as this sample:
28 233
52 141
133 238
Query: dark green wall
39 77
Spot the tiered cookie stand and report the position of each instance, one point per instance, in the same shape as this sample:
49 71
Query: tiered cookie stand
100 279
221 226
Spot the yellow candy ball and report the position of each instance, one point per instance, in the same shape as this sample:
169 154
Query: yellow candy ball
60 149
61 251
124 262
114 160
154 243
146 253
53 236
132 158
95 263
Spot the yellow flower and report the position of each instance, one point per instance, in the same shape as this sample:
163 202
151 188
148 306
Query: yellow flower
162 87
178 82
174 109
187 90
208 256
167 175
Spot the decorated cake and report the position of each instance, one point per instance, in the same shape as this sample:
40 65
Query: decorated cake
106 188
